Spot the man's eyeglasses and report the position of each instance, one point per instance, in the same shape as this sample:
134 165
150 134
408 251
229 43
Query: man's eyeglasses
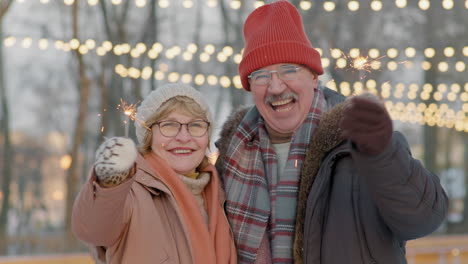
285 73
197 128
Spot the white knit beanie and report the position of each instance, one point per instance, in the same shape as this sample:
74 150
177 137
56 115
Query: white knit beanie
156 98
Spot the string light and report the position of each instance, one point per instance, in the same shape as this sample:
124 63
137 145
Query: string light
442 92
227 53
329 6
125 48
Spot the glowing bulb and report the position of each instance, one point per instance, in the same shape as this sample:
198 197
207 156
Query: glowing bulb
204 57
305 5
187 56
83 49
341 63
443 66
237 58
141 47
107 45
225 81
353 5
235 4
163 3
90 44
391 65
429 52
325 62
374 53
199 79
26 43
187 4
212 80
212 3
158 47
410 52
173 77
43 44
424 4
192 48
426 65
258 4
376 5
447 4
146 73
65 162
400 3
140 3
354 53
186 78
237 82
100 51
335 53
460 66
392 53
449 52
228 50
9 41
210 49
328 6
159 75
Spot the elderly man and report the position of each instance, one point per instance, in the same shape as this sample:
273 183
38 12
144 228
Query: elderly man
311 177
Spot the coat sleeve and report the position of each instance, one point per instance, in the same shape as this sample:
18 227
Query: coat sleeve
100 215
409 198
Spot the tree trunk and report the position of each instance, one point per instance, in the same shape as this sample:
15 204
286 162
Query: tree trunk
430 132
73 176
7 155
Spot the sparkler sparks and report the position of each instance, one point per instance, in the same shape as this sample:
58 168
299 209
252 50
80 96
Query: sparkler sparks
363 65
129 110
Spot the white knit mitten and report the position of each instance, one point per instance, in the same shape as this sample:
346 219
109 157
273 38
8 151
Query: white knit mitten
114 158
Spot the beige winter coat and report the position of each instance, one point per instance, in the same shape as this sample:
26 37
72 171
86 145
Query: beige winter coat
153 234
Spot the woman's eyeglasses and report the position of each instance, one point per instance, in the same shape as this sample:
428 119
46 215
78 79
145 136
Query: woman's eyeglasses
197 128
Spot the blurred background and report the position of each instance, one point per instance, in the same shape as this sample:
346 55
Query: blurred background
69 70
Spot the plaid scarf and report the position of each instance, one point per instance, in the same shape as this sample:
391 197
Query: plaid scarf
258 199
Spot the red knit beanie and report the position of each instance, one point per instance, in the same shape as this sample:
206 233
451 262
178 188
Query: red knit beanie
273 34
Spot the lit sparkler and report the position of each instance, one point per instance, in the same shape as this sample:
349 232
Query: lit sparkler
363 65
129 110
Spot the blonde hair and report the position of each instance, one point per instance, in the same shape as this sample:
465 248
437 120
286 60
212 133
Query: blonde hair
181 103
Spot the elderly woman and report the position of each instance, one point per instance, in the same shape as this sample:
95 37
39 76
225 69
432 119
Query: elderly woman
162 203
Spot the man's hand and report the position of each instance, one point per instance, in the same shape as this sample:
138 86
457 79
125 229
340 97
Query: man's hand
367 124
114 159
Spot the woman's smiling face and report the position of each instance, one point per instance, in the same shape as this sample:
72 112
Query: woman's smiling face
183 152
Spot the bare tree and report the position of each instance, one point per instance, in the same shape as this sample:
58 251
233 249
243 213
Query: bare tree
7 146
73 178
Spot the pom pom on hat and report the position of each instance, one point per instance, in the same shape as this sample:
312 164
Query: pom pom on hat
274 33
156 98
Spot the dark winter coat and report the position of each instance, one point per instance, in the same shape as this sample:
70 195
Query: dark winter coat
354 208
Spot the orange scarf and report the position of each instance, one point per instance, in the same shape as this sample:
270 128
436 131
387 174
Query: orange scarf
208 246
